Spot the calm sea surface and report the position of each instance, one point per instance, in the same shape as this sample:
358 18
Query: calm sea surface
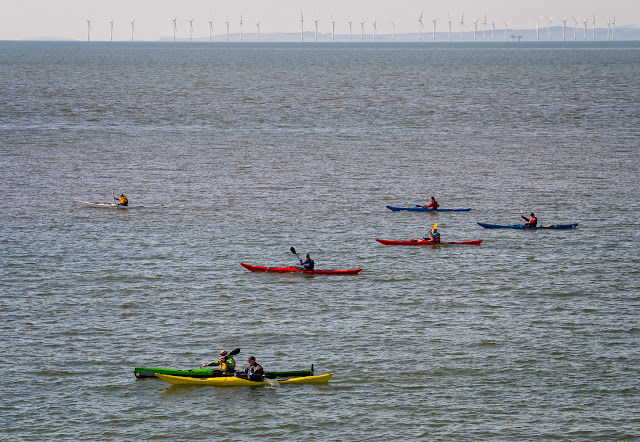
240 152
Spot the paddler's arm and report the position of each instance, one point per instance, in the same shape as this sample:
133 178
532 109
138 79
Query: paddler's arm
216 362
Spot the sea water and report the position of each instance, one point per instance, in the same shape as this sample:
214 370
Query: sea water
239 152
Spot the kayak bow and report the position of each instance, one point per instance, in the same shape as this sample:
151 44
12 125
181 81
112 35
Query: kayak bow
425 243
525 226
232 381
253 268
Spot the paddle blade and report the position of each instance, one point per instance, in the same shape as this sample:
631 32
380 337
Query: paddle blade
234 352
435 226
293 251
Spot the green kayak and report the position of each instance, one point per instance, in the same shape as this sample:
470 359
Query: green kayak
149 372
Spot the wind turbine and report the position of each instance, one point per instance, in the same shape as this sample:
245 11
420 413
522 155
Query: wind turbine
316 34
393 31
434 29
374 30
333 30
349 30
475 28
585 28
594 26
89 30
133 28
227 22
362 31
550 19
301 26
538 27
462 28
613 30
485 27
575 27
191 29
609 29
493 30
210 29
111 22
175 26
258 30
506 28
241 27
564 28
420 26
449 27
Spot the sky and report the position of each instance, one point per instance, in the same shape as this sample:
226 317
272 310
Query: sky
67 19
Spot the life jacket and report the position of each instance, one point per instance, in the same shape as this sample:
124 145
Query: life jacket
433 205
309 265
123 200
435 237
533 221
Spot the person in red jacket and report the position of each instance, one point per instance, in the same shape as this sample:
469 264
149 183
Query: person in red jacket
532 221
433 204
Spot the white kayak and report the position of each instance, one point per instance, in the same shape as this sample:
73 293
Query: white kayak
109 205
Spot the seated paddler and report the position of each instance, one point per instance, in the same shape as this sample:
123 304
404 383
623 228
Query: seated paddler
225 361
307 263
254 370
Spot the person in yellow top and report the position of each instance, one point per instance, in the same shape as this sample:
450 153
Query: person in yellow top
123 201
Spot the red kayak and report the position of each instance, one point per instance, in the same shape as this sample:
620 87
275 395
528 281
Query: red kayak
415 242
298 270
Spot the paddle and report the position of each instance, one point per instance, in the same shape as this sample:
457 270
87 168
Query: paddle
294 252
113 194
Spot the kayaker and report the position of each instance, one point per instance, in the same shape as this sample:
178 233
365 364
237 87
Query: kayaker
308 263
432 236
254 371
225 361
531 221
123 201
433 204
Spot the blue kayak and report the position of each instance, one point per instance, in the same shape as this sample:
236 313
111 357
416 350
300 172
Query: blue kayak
525 226
424 209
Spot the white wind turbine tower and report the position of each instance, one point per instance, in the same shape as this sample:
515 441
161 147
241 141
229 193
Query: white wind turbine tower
594 26
393 31
550 19
191 29
301 26
175 27
493 30
575 27
241 27
538 28
485 27
133 28
564 29
475 29
210 29
258 30
506 28
613 30
316 34
449 27
227 22
333 30
585 28
420 26
374 30
89 30
609 29
349 30
111 23
462 28
434 29
362 31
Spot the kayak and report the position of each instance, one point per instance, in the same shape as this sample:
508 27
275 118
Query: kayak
424 209
298 270
232 381
107 205
524 226
149 372
425 243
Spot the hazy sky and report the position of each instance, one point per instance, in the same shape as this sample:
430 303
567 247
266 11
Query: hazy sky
29 19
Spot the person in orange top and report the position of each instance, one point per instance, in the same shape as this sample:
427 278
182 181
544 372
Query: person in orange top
123 201
531 221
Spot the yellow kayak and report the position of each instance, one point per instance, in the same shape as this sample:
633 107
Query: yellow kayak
232 381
